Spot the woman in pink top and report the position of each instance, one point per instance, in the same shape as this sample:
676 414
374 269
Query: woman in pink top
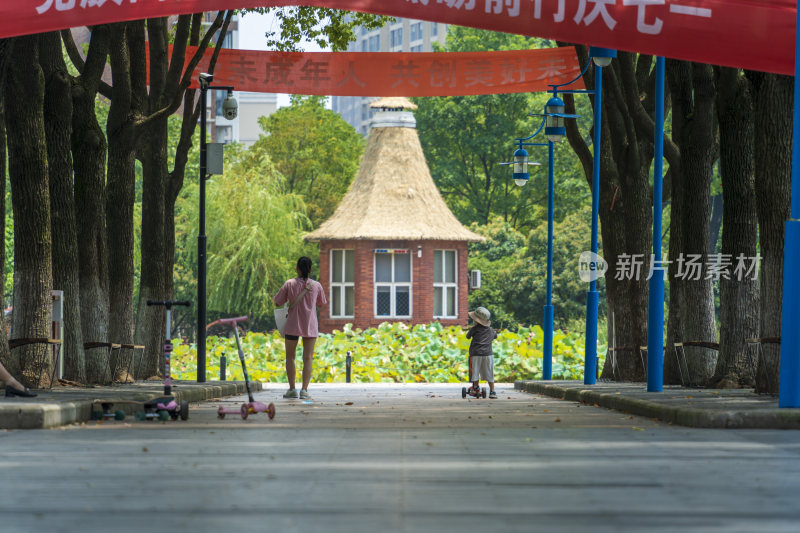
301 322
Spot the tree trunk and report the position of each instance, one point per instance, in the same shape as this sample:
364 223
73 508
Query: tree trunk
692 87
738 295
89 162
150 327
33 278
10 364
772 96
121 189
58 129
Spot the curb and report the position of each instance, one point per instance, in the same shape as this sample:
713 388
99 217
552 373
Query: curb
723 417
44 414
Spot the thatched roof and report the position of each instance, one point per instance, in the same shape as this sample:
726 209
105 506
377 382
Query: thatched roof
393 102
393 196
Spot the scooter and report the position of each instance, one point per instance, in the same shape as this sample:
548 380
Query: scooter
251 407
165 406
475 392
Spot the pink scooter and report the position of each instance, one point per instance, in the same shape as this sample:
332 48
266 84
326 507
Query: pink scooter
251 407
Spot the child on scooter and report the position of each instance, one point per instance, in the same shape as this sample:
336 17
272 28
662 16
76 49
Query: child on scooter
481 360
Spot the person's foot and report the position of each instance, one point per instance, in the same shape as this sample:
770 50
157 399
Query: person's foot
24 392
493 395
291 393
304 394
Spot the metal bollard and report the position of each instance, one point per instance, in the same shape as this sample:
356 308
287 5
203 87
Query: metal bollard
348 359
222 362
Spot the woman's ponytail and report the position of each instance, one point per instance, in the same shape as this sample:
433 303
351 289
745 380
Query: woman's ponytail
304 266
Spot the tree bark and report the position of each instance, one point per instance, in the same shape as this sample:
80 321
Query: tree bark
772 96
33 278
693 90
58 130
89 161
738 295
121 184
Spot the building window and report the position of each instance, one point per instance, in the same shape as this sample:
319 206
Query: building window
364 45
417 48
445 287
434 29
342 287
393 284
397 37
416 31
375 43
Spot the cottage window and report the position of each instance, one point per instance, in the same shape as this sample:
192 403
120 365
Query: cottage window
342 276
445 287
393 284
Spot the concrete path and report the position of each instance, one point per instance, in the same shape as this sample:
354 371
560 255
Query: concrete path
413 458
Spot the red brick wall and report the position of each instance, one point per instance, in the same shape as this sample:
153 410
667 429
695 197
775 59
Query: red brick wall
422 279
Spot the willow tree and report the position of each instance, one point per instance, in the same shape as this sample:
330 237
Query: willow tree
255 229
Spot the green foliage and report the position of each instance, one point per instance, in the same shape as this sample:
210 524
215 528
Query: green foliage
315 150
328 28
254 234
390 353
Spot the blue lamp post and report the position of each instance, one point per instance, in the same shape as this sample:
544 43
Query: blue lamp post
601 57
521 177
789 391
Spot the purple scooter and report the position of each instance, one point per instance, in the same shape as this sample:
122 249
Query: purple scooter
165 406
251 407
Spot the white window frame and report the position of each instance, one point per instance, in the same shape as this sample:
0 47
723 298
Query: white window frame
393 285
444 285
342 286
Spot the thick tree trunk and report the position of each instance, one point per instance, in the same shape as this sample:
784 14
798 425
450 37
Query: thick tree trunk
33 278
150 326
772 96
738 295
58 129
89 162
693 107
11 364
121 190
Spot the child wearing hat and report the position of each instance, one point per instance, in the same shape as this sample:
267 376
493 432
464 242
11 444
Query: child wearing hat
481 361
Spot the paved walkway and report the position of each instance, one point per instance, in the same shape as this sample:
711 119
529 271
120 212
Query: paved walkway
710 408
410 458
695 407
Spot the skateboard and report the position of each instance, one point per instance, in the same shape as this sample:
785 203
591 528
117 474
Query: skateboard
249 408
162 408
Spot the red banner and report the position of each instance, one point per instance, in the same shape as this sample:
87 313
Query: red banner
752 34
391 74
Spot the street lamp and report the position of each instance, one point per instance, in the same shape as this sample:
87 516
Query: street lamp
547 325
555 130
229 111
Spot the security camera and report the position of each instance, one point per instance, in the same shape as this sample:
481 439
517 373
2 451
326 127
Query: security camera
230 108
206 78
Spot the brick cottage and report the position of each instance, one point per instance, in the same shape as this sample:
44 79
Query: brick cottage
393 251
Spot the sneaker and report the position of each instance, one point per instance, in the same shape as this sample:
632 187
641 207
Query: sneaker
304 394
291 393
493 395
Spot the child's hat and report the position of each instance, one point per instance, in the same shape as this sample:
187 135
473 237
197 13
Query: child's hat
481 315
